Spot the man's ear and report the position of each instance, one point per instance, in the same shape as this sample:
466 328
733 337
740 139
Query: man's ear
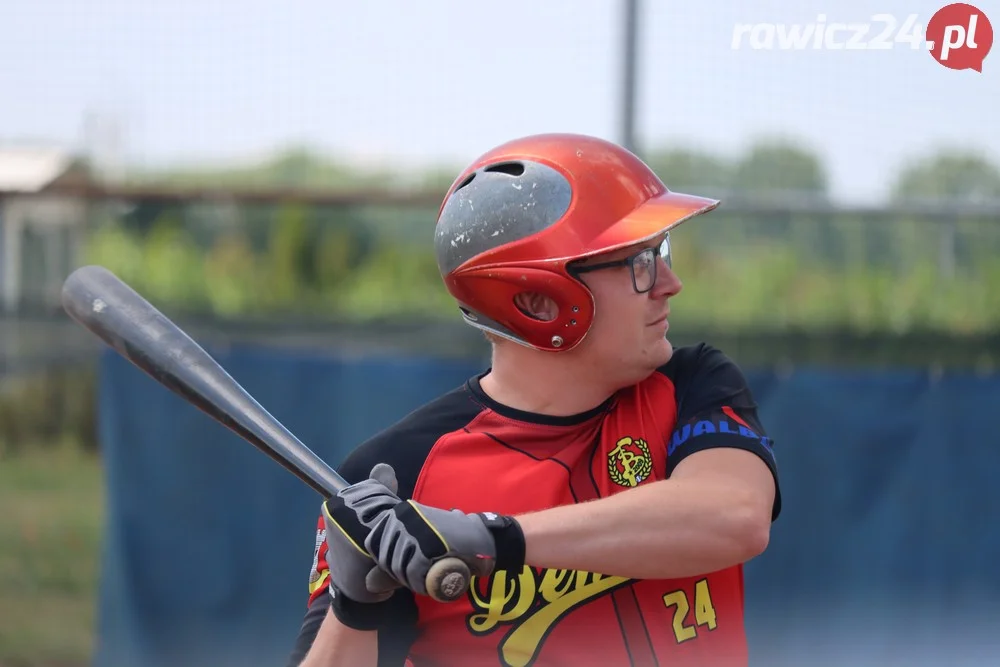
537 306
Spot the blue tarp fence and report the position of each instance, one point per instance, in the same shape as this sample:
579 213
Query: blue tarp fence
886 553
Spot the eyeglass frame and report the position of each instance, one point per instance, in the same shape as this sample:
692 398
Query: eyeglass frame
629 261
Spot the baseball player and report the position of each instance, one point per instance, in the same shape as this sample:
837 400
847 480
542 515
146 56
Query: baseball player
604 488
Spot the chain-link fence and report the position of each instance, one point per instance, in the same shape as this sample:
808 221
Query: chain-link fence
792 279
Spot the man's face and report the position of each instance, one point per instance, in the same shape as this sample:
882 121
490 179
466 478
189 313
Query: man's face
628 336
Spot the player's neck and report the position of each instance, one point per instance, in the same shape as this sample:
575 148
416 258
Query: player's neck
543 384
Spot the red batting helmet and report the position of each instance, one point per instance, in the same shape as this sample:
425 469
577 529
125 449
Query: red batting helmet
514 219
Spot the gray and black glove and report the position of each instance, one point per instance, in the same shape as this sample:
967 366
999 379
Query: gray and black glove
408 539
359 590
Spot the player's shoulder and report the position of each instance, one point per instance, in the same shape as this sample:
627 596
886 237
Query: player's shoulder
697 360
405 444
703 373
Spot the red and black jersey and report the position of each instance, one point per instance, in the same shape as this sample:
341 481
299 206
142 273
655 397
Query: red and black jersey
466 451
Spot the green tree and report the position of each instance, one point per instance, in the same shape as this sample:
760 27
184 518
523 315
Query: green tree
949 174
292 167
232 273
779 166
687 169
172 265
335 257
289 254
118 249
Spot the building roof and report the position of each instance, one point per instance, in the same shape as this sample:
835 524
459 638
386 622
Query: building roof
29 169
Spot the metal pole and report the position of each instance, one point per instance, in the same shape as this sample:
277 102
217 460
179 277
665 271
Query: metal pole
629 65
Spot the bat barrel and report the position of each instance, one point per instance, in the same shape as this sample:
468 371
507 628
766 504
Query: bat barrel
103 304
106 306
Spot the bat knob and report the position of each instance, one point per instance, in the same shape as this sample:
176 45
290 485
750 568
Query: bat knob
448 579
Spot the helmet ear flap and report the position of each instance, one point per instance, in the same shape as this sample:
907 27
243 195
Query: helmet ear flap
482 290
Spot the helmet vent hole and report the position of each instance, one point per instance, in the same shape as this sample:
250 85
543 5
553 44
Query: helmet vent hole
509 168
465 182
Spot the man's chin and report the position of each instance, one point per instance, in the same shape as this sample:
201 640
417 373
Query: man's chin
662 352
668 349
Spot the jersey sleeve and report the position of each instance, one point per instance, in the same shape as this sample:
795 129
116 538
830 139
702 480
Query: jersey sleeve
315 614
399 624
353 470
716 408
405 446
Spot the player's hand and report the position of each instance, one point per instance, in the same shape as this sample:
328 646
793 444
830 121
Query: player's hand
408 539
357 586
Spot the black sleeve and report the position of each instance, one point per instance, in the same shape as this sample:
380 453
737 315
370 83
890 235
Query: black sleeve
307 633
393 642
400 614
715 408
405 446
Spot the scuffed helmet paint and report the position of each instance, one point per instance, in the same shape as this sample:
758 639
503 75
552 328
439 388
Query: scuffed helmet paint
517 216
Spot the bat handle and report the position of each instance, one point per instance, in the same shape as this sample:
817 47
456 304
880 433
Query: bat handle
448 579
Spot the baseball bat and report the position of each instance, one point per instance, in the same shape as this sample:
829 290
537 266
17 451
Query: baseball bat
107 307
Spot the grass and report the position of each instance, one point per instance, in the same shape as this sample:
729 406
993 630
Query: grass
50 530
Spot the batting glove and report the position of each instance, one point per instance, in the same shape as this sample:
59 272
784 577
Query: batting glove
409 538
358 589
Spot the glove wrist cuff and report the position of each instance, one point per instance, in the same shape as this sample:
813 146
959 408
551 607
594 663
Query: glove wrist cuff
356 615
508 539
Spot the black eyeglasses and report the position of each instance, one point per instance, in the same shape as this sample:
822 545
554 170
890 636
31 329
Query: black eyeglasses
642 265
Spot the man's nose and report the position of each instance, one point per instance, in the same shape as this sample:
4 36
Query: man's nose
667 283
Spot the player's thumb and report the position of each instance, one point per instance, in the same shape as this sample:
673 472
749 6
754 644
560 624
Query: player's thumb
380 582
386 476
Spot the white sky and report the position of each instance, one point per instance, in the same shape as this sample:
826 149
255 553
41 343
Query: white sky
443 79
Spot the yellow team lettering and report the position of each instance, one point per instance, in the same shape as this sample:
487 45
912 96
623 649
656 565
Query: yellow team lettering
704 611
508 599
532 604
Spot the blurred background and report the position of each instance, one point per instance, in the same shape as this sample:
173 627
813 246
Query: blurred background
268 174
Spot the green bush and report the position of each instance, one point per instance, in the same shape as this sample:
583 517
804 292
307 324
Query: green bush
764 274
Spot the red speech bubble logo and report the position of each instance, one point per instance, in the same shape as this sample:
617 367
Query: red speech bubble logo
961 36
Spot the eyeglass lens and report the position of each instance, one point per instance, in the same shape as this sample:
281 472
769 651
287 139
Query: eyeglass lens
644 265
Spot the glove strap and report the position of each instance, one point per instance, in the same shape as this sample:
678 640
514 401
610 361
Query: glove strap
508 539
357 615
